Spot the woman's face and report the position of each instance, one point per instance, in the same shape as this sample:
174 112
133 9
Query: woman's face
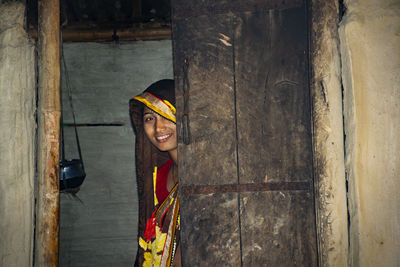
160 131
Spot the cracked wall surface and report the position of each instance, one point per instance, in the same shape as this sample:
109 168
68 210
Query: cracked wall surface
17 137
370 53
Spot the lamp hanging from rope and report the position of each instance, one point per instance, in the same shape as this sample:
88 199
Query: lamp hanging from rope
72 172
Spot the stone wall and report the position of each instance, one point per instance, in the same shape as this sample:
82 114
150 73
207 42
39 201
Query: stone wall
370 53
17 137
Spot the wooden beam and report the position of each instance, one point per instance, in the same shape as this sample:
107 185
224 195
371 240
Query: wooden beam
47 212
136 8
327 135
131 34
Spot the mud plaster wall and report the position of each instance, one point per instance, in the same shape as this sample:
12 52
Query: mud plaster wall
370 52
17 136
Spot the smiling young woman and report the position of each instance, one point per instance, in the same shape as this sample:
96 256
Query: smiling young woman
153 118
161 132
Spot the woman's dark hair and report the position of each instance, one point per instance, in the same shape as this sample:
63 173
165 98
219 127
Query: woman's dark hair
163 89
147 155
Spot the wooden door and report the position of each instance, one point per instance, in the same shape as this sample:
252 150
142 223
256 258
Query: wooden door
245 156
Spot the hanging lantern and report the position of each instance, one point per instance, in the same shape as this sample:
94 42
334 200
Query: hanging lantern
72 172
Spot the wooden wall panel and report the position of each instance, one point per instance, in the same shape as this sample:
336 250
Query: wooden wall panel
193 8
273 96
250 134
212 236
211 104
276 229
273 122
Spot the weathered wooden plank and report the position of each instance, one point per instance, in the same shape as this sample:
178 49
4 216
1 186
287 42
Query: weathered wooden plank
258 132
211 235
210 157
47 211
273 121
253 187
276 229
204 43
193 8
273 96
331 194
96 35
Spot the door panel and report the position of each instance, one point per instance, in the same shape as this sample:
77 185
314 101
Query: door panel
276 229
214 238
273 96
209 72
246 180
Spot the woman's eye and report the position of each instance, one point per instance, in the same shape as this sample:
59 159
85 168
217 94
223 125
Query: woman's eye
148 119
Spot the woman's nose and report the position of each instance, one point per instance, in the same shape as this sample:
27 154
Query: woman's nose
160 124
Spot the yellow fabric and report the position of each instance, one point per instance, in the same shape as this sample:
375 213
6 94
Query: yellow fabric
154 186
161 107
153 257
160 237
147 260
173 109
143 244
157 247
154 248
157 252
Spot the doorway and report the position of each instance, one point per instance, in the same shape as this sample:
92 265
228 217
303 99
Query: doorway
98 227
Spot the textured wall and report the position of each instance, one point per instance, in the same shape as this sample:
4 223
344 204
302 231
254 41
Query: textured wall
370 48
17 136
101 231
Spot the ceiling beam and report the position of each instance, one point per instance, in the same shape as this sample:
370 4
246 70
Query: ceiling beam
131 34
139 31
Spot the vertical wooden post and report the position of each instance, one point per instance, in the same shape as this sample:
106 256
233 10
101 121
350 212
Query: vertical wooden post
47 212
328 146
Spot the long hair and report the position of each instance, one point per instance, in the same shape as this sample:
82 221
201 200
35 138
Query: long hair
147 155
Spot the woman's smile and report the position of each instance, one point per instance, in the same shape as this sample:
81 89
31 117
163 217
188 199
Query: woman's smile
163 138
160 131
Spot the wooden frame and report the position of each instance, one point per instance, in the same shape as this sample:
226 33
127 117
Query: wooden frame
47 210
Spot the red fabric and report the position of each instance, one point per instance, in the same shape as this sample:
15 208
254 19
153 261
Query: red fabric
161 183
161 193
150 231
